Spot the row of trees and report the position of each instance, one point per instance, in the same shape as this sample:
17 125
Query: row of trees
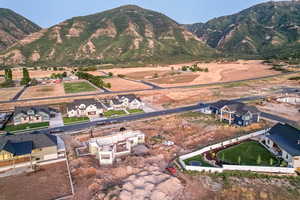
96 80
26 77
194 68
59 75
8 82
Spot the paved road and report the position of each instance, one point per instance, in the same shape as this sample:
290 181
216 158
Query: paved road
78 127
130 91
276 118
17 96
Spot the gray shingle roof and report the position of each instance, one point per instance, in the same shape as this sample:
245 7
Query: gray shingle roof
36 109
287 137
87 102
130 97
238 107
21 143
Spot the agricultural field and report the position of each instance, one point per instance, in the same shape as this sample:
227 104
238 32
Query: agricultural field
172 75
8 93
78 87
248 153
40 91
119 84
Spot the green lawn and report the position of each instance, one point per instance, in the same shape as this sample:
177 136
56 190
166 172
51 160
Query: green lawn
198 158
248 153
111 113
78 87
71 120
132 111
20 127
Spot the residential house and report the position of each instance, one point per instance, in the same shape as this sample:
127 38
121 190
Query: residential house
108 148
28 147
235 112
131 101
284 140
116 104
85 108
33 114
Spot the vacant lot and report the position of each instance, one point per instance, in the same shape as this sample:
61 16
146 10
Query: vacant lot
78 87
40 91
248 153
50 182
8 93
18 73
118 84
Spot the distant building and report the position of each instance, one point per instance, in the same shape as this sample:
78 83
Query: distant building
235 112
108 148
22 148
33 114
85 108
284 141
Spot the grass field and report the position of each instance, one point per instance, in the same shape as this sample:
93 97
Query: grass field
197 158
78 87
248 153
71 120
20 127
111 113
133 111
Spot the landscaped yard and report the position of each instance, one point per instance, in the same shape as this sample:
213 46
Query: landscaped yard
77 87
132 111
20 127
71 120
111 113
197 159
248 153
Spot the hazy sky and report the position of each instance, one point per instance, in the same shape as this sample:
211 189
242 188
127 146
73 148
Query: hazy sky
50 12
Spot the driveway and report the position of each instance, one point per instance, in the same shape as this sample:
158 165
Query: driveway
56 121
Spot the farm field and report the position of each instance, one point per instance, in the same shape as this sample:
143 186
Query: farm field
119 84
78 87
18 73
41 91
217 72
248 153
8 93
55 175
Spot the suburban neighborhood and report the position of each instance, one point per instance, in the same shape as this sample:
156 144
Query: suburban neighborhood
130 104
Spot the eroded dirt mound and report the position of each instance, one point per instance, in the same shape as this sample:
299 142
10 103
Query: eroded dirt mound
150 183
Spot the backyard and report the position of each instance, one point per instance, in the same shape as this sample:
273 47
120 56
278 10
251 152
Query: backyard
20 127
197 161
77 87
248 153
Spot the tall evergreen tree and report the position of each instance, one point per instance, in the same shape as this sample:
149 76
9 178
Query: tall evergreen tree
26 78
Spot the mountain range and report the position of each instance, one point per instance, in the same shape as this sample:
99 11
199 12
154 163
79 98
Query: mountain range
133 34
14 27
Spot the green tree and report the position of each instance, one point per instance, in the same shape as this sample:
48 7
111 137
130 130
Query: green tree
258 161
26 78
64 74
184 68
110 74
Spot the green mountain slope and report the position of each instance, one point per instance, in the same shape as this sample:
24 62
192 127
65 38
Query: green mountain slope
124 34
14 27
268 26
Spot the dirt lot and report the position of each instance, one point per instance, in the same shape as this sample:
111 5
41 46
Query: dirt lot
118 84
187 131
18 73
8 93
40 91
173 76
49 183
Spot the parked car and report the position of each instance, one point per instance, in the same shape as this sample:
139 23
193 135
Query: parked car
171 170
168 143
57 130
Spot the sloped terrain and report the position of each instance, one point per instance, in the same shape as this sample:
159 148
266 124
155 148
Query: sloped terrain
124 34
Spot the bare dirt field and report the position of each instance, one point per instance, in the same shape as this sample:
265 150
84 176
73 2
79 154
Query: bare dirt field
40 91
119 84
50 182
18 73
8 93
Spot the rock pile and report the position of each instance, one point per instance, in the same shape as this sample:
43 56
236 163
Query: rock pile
150 184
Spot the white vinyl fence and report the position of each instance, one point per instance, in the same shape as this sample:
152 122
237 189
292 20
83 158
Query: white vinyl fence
231 167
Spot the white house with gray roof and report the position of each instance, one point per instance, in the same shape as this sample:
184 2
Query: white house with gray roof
85 108
33 114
